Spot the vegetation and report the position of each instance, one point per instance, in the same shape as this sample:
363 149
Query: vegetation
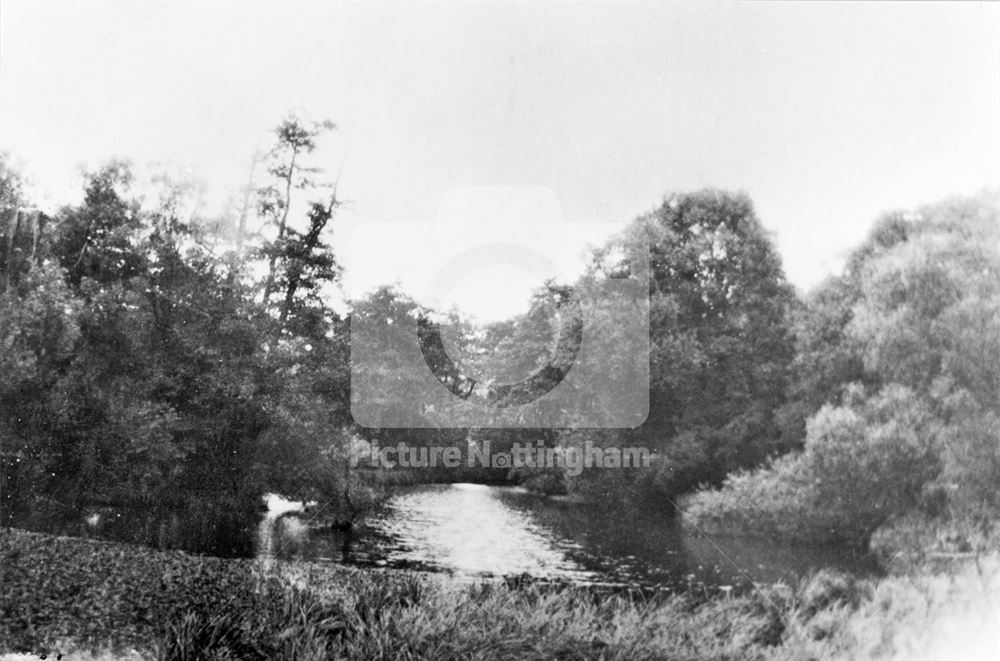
63 594
162 370
896 356
718 354
720 347
144 379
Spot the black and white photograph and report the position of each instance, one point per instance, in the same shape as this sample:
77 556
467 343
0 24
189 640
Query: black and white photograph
497 330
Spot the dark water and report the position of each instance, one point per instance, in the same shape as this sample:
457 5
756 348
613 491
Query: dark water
211 526
473 531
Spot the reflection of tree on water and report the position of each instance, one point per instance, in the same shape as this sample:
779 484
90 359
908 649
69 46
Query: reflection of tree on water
637 547
287 531
347 545
651 548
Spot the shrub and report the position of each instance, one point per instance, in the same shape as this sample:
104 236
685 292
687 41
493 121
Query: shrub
862 464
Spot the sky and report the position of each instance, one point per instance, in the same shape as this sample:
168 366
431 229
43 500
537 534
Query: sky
481 120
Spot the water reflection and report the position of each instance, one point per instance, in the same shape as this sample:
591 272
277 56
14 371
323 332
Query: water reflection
468 529
472 531
635 548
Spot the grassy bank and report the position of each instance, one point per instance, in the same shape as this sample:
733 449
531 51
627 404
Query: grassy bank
59 594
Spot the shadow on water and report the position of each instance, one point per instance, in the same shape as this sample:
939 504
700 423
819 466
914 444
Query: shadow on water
650 549
475 531
218 530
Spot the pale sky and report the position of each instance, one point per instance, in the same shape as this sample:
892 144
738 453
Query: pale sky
826 114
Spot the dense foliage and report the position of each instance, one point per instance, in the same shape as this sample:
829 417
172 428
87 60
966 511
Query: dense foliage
718 354
898 356
145 378
720 345
161 370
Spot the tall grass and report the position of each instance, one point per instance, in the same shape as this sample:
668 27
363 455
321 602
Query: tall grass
828 615
391 616
82 594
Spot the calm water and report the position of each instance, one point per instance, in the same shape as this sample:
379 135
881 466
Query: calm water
473 531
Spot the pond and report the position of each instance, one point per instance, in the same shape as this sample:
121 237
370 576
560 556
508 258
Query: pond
472 531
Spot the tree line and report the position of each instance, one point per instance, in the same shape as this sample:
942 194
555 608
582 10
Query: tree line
156 360
155 363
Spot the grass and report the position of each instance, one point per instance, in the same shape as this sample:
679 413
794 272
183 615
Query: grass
62 594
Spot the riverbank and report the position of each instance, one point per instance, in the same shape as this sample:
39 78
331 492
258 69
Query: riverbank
62 594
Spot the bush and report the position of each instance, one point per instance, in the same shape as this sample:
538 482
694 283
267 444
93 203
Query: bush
862 464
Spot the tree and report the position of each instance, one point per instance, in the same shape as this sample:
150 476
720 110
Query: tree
907 385
306 452
928 318
98 239
140 384
720 342
144 372
296 138
21 227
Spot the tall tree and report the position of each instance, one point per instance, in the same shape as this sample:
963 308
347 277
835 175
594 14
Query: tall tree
720 342
295 139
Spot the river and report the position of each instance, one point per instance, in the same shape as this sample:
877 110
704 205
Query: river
472 531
